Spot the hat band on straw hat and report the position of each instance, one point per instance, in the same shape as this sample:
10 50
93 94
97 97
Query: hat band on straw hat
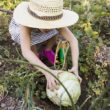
44 17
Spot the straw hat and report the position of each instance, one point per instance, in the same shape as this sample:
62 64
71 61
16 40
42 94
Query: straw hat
45 14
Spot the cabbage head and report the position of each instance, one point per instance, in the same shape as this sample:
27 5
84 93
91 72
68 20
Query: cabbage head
59 96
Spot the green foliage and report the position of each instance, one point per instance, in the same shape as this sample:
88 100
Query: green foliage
92 32
9 4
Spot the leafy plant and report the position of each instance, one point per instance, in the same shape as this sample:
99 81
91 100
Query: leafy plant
92 32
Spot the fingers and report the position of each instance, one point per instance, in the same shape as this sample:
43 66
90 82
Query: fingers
70 70
76 73
79 78
52 84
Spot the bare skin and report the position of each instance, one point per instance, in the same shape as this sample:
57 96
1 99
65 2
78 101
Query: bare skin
33 59
68 35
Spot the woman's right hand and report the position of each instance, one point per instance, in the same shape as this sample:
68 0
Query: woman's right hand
51 81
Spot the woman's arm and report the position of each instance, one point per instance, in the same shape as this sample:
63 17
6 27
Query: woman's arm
32 58
26 48
68 35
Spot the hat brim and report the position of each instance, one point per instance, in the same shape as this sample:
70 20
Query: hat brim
21 16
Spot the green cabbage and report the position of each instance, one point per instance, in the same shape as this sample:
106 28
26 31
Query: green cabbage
60 96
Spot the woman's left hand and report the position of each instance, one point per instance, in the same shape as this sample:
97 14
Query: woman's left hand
75 71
